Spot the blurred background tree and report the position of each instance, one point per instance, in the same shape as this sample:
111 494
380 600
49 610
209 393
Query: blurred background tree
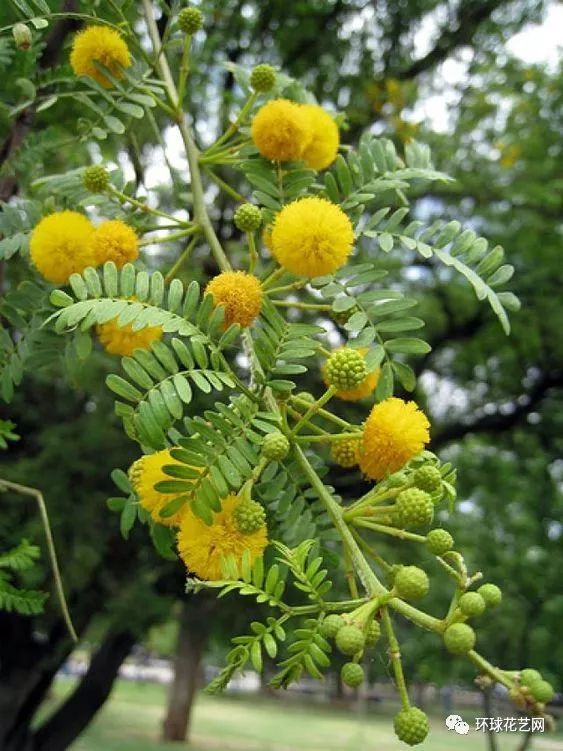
383 64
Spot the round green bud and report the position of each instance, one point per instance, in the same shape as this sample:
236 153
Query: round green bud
352 674
411 726
411 583
373 633
542 691
248 217
263 77
350 640
414 508
332 625
491 594
528 676
22 36
275 446
345 452
472 604
459 638
95 178
428 478
190 20
249 517
346 369
439 541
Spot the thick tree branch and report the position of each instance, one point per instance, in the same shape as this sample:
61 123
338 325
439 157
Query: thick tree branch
501 421
472 13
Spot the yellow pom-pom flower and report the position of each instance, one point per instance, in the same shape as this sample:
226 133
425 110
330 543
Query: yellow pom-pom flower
394 432
345 452
312 237
239 293
61 245
281 130
145 473
123 340
115 241
202 547
323 148
365 388
99 44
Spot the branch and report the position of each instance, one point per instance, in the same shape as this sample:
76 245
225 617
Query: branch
470 17
499 422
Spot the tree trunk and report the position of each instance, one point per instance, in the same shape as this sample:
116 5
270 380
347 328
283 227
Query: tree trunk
60 730
193 632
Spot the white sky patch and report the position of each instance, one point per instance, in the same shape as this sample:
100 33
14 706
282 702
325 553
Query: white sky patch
540 43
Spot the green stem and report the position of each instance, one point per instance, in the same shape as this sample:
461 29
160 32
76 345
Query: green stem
489 669
38 495
253 253
395 655
233 127
327 438
184 71
371 553
392 531
300 305
169 238
313 409
181 260
145 208
288 287
324 413
223 185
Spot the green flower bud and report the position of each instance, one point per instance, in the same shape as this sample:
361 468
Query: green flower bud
459 638
414 508
352 674
428 478
346 369
248 217
373 633
411 583
249 517
263 77
472 604
332 625
190 20
542 691
491 594
411 726
439 541
275 446
529 676
350 640
95 178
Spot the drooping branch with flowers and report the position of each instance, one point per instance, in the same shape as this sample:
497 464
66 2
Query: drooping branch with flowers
238 491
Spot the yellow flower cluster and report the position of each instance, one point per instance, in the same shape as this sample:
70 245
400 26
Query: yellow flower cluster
124 340
394 432
239 293
203 547
286 131
312 237
103 45
66 242
145 473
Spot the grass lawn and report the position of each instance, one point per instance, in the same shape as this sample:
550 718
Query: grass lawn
131 721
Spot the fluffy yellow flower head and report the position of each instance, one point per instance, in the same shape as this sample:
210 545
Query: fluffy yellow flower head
122 340
394 432
115 241
145 473
323 148
102 45
239 293
365 388
202 547
281 130
312 237
61 245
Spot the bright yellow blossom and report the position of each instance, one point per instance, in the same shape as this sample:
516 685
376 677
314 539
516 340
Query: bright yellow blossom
202 547
61 245
115 241
239 293
123 340
145 473
312 237
323 148
99 44
394 432
281 130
